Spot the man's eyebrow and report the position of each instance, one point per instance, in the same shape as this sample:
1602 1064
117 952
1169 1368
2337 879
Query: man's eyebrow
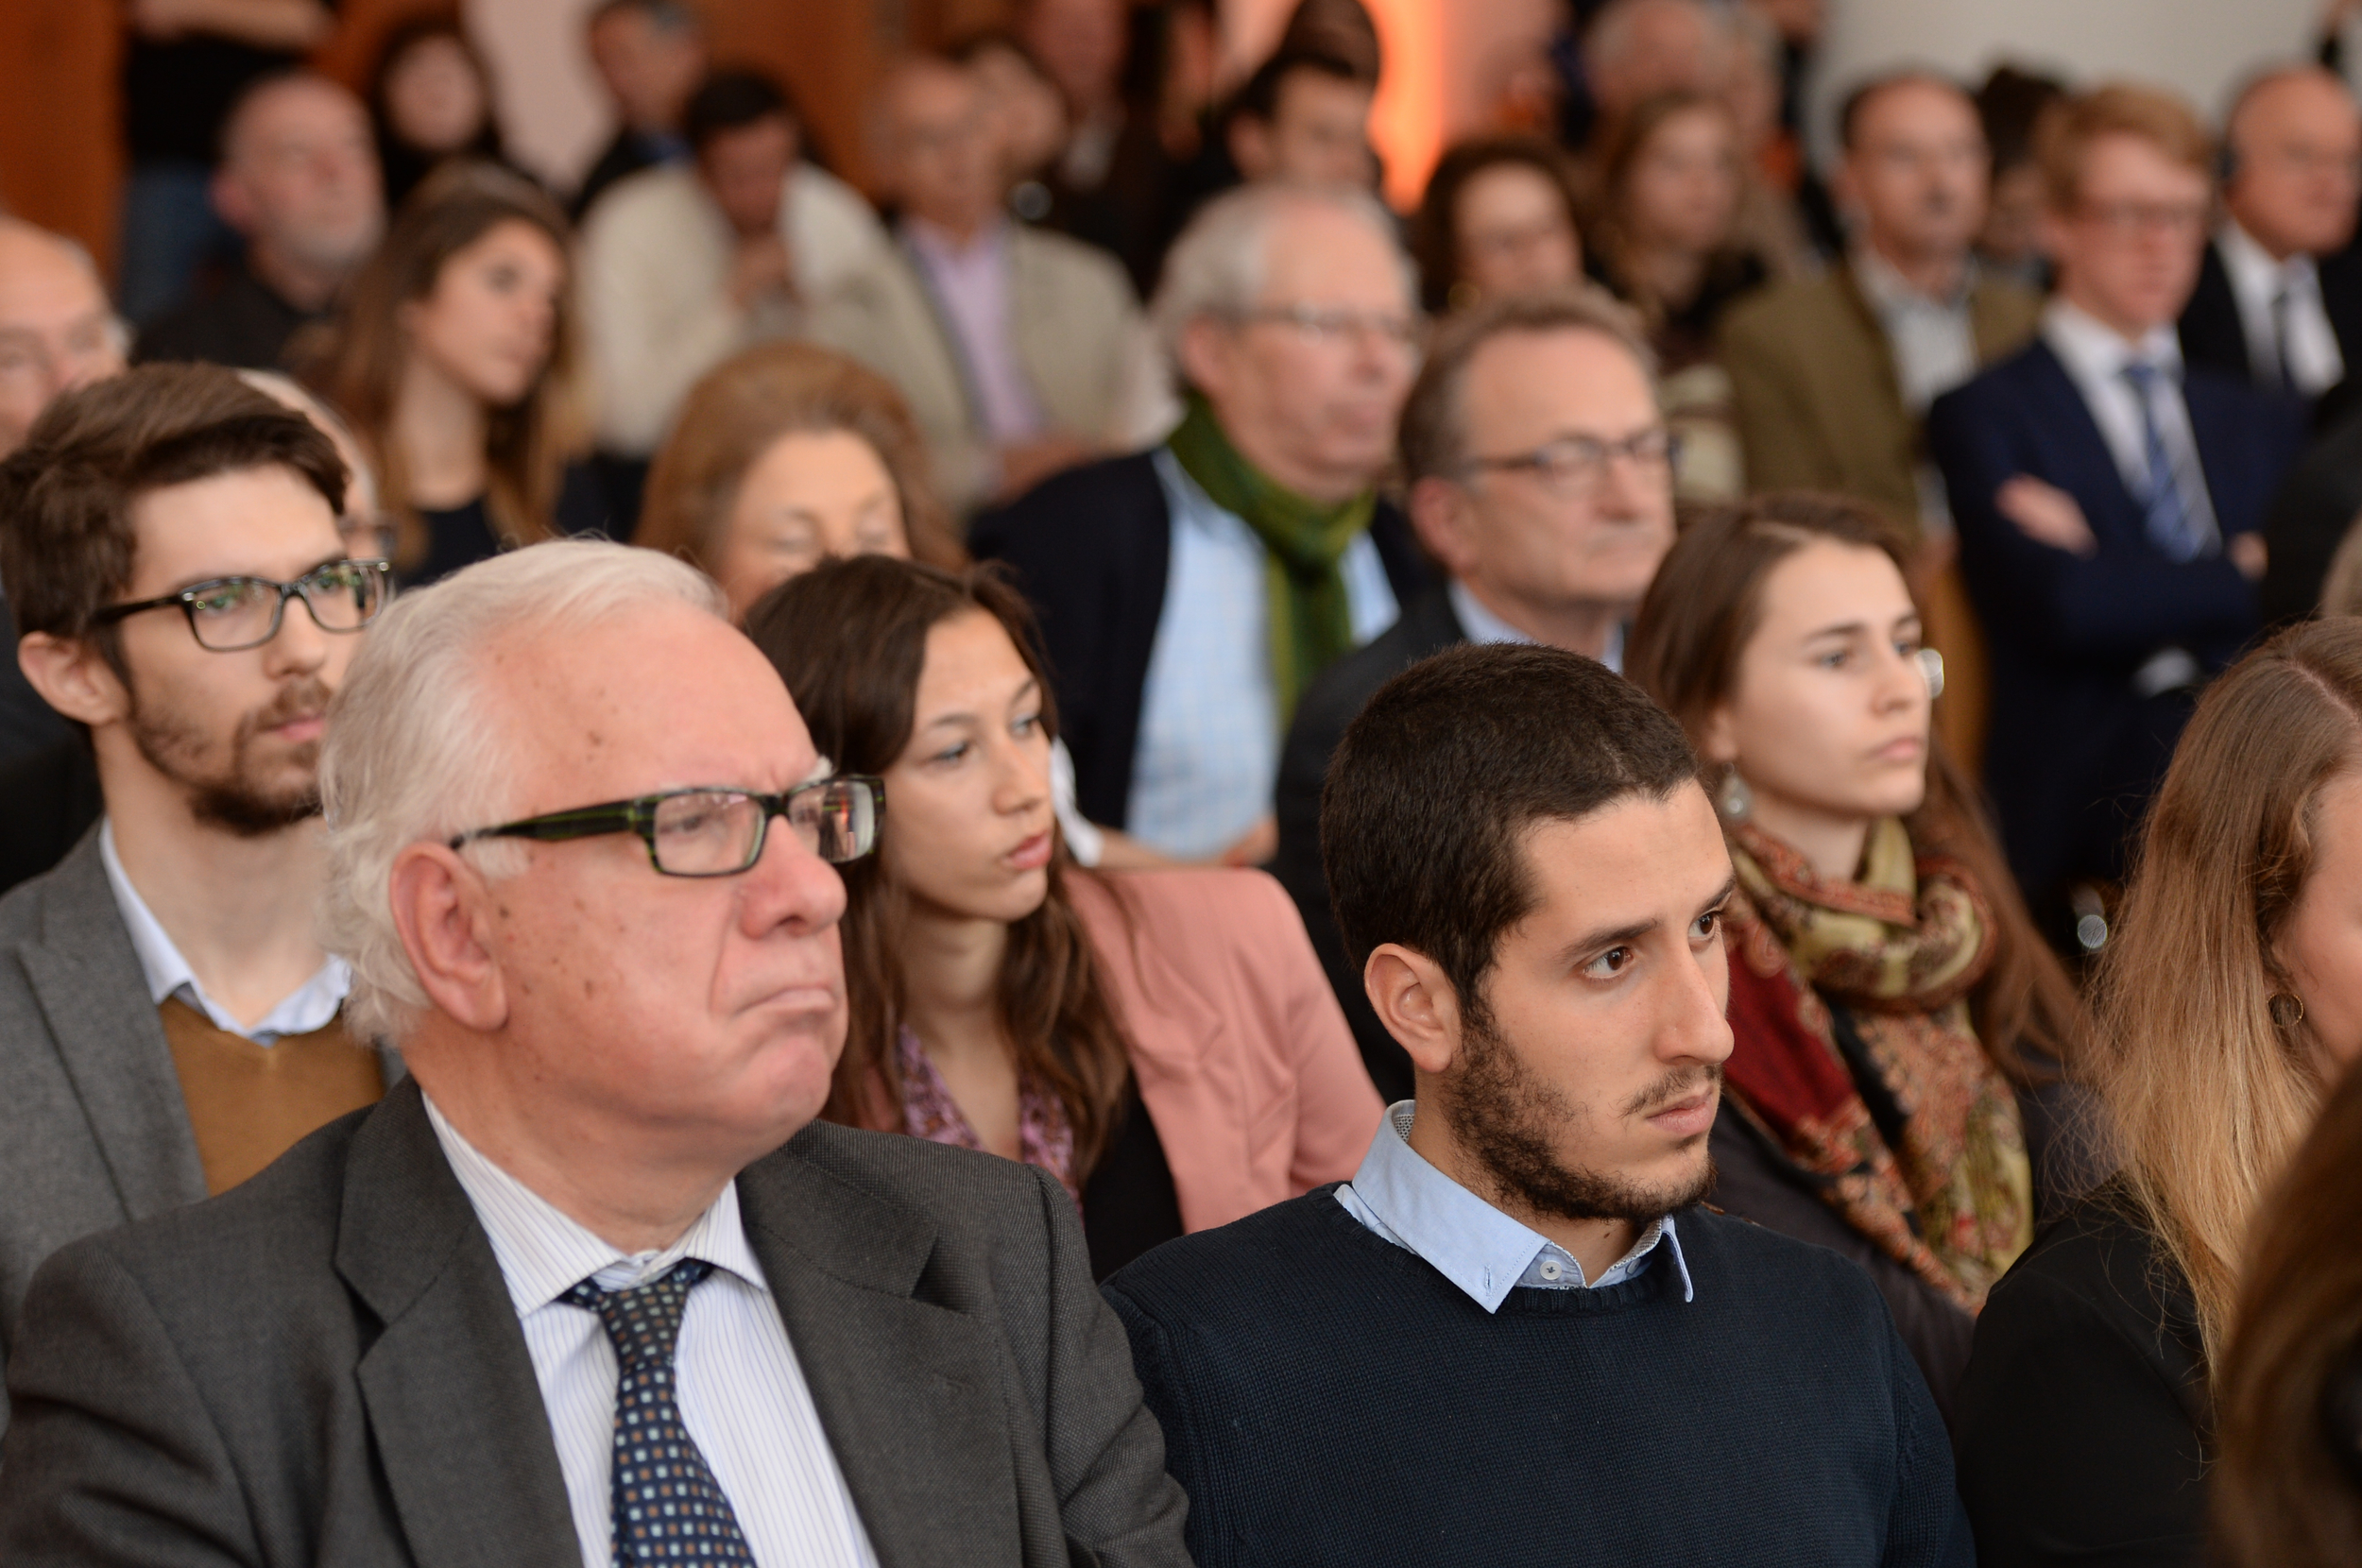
1722 896
1617 936
337 559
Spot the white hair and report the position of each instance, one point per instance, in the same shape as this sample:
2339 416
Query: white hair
282 388
1217 265
417 749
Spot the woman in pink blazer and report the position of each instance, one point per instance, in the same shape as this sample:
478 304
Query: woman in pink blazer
1161 1042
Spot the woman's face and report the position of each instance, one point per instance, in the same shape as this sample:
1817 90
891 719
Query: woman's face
1828 721
968 828
1512 232
1682 191
491 319
810 496
434 99
2321 946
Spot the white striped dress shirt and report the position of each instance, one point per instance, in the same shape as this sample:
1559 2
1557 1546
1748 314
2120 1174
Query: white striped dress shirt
743 1397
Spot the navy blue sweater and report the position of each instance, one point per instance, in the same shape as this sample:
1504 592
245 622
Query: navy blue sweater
1328 1397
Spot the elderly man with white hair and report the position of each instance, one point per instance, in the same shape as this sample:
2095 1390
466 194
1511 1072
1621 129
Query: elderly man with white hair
590 1286
1188 593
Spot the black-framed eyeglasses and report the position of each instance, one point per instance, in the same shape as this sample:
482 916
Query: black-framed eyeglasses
720 832
228 615
1572 466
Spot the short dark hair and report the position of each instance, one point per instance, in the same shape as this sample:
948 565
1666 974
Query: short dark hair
1850 111
66 535
1436 783
1259 98
732 100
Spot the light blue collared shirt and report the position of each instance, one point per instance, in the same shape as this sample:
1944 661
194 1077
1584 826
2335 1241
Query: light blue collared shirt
1209 748
308 1007
1483 626
1471 1243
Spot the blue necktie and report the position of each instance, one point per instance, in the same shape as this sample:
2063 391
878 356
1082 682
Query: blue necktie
668 1507
2166 511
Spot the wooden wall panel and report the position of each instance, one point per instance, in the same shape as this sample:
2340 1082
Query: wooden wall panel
59 136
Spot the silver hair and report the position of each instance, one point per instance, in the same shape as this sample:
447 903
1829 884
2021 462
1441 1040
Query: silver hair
282 388
418 749
1608 41
1216 267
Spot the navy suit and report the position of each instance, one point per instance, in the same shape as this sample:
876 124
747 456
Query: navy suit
2075 751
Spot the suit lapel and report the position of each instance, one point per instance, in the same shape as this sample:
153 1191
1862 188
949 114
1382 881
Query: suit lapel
908 1392
2069 421
451 1393
89 987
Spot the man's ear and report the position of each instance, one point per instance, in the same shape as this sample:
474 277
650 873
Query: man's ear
72 677
1416 1003
1205 355
228 193
441 907
1439 515
1249 140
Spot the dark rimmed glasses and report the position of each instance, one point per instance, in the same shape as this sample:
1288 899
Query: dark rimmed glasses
228 615
718 833
1572 466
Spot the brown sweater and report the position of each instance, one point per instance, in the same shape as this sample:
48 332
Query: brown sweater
248 1103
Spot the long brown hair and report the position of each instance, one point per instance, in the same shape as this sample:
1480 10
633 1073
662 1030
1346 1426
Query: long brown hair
1695 623
2208 1087
2285 1494
849 638
358 367
1610 234
746 404
1435 228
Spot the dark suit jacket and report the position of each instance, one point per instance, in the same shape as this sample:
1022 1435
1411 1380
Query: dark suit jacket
2074 752
1331 703
324 1366
94 1133
239 321
2310 517
2213 335
48 801
1090 547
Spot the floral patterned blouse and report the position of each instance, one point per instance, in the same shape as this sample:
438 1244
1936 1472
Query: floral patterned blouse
1044 1137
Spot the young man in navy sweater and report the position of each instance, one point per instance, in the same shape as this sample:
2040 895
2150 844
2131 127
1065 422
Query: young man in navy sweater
1514 1335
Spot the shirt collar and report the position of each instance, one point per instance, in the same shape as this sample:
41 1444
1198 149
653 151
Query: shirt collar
1888 290
2097 351
940 249
543 1252
1464 1238
310 1006
2253 272
1483 626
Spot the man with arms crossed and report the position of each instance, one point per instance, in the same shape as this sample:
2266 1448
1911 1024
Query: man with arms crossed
580 862
1514 1336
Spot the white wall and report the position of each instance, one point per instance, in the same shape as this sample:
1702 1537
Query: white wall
552 109
2199 46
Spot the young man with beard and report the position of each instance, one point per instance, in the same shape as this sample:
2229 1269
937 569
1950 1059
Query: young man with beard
168 1021
1515 1334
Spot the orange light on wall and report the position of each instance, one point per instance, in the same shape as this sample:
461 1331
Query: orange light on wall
1407 122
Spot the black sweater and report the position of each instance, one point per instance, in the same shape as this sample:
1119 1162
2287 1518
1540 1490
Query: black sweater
1328 1397
2083 1418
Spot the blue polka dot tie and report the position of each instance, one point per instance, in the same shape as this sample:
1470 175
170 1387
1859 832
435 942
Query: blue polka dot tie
668 1507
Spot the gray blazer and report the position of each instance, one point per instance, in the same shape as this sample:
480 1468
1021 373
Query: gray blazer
324 1367
94 1133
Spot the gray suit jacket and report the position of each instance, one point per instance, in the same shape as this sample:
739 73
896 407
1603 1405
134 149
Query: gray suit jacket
94 1133
324 1367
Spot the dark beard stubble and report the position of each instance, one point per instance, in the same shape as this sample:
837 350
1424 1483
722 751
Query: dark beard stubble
233 799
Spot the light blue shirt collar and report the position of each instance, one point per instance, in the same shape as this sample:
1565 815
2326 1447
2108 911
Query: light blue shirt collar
1483 626
310 1006
1477 1247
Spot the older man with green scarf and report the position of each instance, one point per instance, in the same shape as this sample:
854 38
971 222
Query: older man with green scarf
1188 593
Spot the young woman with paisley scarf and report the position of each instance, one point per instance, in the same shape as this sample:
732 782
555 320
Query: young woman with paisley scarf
1893 1088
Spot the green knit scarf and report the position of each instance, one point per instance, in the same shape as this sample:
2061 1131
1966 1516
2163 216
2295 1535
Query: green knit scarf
1311 621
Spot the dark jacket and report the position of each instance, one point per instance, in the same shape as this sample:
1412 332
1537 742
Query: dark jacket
324 1366
2078 752
1090 547
1427 626
2215 337
241 322
2084 1430
2309 519
48 801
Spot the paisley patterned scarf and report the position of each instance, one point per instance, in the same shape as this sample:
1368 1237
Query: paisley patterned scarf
1937 1175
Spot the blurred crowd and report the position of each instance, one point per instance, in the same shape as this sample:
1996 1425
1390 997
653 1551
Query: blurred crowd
1118 487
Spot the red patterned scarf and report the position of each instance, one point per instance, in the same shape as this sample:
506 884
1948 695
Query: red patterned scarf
1899 950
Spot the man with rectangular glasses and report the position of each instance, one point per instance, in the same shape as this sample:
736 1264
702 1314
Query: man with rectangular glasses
591 1285
169 1022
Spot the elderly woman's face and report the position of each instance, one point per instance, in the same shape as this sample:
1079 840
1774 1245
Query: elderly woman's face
810 496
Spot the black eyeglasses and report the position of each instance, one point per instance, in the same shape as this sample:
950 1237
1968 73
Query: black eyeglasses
717 832
229 614
1572 466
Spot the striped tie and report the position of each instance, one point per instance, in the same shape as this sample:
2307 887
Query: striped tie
668 1507
2166 511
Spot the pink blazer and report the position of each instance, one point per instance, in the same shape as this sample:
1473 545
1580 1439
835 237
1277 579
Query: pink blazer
1244 1058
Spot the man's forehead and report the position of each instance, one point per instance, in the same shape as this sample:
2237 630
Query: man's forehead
1313 252
266 521
1638 857
1562 380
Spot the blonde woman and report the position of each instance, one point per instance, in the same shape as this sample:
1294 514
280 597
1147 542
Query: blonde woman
2231 994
